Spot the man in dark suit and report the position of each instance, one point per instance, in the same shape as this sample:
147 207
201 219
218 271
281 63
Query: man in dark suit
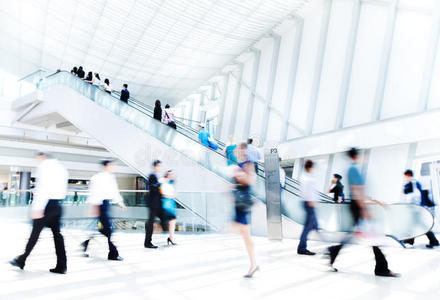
154 204
415 193
125 94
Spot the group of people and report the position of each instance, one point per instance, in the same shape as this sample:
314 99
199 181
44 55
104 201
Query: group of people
95 79
358 208
51 189
165 116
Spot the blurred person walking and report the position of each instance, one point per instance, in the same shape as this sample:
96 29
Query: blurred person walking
157 114
168 117
125 94
230 151
416 195
337 189
309 198
360 213
46 211
103 190
254 154
244 177
154 204
169 205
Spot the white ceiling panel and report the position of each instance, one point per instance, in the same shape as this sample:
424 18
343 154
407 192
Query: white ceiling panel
161 48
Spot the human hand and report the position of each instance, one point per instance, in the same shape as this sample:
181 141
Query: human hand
122 206
37 214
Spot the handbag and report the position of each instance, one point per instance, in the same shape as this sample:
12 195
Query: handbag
243 199
170 123
426 201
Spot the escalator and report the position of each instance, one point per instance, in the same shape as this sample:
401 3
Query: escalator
130 132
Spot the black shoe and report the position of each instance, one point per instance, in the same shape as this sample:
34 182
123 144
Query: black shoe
118 258
151 246
432 245
59 270
170 241
17 263
249 275
387 274
84 245
305 252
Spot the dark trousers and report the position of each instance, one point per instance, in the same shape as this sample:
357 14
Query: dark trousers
381 261
310 224
431 236
154 212
256 167
51 219
106 230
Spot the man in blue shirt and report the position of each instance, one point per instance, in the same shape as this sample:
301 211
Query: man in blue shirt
204 135
359 211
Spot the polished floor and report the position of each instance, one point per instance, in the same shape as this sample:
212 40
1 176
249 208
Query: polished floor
209 266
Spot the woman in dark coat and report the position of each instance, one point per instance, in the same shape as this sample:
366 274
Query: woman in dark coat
157 111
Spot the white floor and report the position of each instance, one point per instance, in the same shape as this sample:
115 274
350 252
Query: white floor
209 266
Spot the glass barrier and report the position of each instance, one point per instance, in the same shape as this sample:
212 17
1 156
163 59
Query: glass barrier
336 218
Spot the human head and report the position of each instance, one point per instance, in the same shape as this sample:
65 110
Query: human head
337 178
108 165
408 175
353 153
41 156
97 76
80 68
157 103
242 152
167 106
75 69
90 74
157 166
250 141
170 175
106 81
125 85
308 166
202 126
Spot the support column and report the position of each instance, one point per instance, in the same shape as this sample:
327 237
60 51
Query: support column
292 77
273 194
385 61
271 84
411 155
328 174
430 61
348 65
318 67
222 105
236 99
25 184
252 91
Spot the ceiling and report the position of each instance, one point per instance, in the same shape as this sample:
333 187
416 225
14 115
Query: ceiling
162 48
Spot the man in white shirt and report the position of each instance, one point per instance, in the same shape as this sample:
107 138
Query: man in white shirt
46 210
308 195
104 189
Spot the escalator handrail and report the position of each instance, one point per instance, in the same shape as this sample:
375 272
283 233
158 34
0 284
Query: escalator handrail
325 198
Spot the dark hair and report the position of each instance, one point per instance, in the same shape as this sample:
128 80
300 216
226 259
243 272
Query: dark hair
106 162
308 164
337 176
90 74
106 81
156 162
125 85
42 154
168 172
97 76
157 103
409 173
80 67
353 152
74 70
250 141
167 106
